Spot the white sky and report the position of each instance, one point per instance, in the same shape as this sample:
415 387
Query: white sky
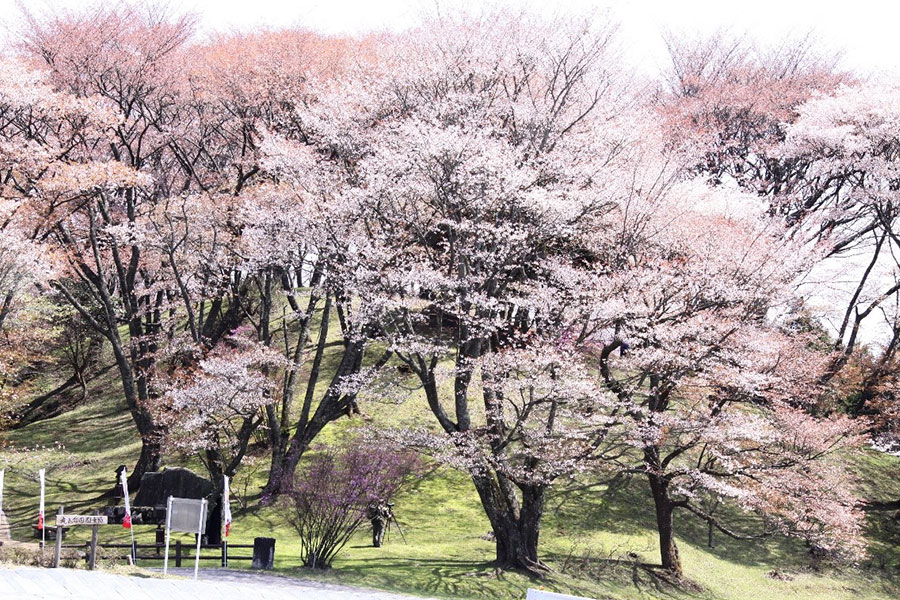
866 30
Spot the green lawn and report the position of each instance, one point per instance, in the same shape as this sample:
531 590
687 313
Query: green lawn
597 540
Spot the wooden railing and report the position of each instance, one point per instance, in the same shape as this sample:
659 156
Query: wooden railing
181 551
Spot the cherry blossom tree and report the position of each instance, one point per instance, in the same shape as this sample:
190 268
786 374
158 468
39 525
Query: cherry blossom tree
37 125
144 220
212 408
848 140
473 180
721 392
728 101
292 242
125 61
496 222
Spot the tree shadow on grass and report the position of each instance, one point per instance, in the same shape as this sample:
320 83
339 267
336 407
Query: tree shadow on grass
626 508
481 579
646 578
443 577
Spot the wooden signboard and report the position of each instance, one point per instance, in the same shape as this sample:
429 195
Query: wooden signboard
64 520
69 520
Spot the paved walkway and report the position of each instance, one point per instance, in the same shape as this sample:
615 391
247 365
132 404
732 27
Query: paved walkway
28 583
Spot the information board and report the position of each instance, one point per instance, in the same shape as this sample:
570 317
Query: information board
187 515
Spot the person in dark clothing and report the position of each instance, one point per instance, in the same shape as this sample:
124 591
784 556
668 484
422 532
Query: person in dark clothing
380 514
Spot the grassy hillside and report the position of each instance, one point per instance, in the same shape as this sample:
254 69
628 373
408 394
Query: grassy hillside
599 540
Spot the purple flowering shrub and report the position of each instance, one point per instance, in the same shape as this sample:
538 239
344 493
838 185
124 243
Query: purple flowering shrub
328 501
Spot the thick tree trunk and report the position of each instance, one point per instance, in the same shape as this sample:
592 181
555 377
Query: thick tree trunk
279 437
149 460
4 309
278 450
136 397
281 476
333 405
665 508
516 527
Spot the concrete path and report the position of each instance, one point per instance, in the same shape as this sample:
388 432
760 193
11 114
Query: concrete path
28 583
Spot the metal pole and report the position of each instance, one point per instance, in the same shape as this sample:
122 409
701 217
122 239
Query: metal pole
58 538
41 473
199 537
124 478
168 522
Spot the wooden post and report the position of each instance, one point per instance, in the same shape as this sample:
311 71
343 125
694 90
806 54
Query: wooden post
58 538
177 553
92 561
92 545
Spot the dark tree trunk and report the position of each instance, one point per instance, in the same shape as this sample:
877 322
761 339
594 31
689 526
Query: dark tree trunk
137 398
516 526
276 466
149 460
4 309
279 425
333 405
665 508
287 468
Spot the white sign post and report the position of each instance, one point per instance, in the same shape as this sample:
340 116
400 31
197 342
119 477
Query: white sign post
189 516
168 523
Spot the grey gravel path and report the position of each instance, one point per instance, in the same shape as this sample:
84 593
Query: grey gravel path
28 583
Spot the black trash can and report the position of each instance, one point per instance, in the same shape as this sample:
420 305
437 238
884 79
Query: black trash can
263 553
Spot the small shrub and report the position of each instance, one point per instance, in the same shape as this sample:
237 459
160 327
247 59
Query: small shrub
31 555
328 502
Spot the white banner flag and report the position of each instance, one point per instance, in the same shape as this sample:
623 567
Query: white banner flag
226 506
41 507
126 522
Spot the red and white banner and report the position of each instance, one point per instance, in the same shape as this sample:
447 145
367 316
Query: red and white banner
226 506
126 522
41 507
